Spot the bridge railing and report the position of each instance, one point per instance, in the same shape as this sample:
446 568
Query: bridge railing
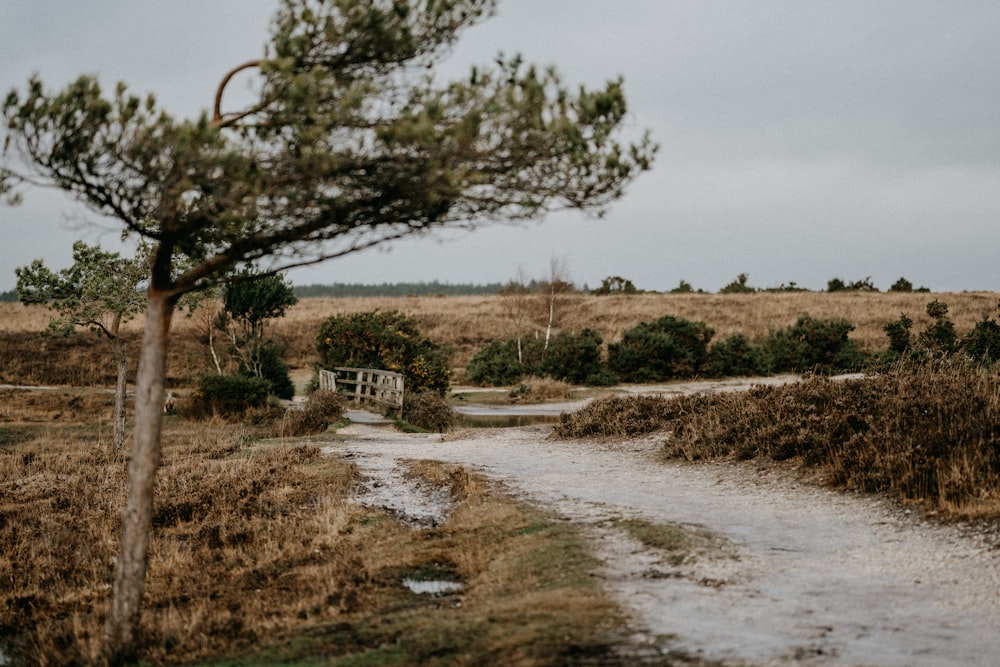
366 385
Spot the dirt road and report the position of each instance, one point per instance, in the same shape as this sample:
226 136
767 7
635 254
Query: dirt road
803 576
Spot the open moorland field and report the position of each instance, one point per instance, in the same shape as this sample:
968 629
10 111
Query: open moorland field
263 554
466 323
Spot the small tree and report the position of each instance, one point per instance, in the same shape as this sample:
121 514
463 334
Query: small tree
865 285
616 285
683 287
738 286
940 335
983 342
249 303
899 334
101 290
552 294
515 299
901 285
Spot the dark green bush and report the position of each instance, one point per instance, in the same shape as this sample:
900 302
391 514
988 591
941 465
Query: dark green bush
274 369
812 345
734 356
574 358
386 340
983 343
901 285
497 364
940 335
670 347
229 395
899 334
738 286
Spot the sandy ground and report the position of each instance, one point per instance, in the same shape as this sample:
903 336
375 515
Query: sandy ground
803 576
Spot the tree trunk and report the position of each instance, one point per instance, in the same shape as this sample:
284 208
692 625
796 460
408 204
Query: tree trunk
121 638
121 364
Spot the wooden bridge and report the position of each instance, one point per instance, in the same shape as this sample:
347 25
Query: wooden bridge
366 385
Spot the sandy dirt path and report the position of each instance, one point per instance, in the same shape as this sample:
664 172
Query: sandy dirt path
805 576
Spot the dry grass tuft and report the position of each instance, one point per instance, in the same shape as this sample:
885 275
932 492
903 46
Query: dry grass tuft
534 389
321 409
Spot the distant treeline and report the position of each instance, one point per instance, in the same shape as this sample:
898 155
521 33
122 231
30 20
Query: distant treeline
9 297
395 289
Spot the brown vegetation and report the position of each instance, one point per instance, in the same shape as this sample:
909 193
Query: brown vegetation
467 323
259 553
919 433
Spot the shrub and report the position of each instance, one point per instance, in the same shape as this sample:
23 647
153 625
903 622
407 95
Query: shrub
819 346
229 395
668 348
428 410
738 286
616 285
274 369
835 285
734 356
575 358
940 335
541 389
982 344
388 341
321 409
901 285
496 363
683 287
899 334
838 285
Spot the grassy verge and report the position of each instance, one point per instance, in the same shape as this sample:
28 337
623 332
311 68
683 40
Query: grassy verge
259 557
927 434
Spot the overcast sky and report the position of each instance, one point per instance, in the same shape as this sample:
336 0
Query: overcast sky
799 141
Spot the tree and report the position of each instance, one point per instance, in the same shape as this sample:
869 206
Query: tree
616 285
247 307
683 287
350 143
101 290
738 286
551 292
901 285
514 299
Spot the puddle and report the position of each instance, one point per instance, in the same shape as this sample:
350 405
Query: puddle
432 587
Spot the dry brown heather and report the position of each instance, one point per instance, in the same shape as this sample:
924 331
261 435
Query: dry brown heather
916 433
469 322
